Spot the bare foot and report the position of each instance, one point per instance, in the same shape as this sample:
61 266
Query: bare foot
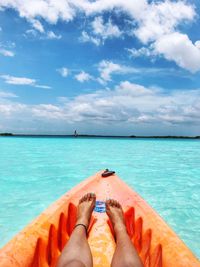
116 215
85 208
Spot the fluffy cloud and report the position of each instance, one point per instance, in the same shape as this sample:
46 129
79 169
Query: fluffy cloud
127 104
105 30
174 47
52 35
100 31
6 53
127 88
161 18
4 94
107 68
143 51
64 72
42 35
157 26
197 44
22 81
51 11
37 25
153 21
166 14
5 49
85 37
179 48
10 110
83 77
18 80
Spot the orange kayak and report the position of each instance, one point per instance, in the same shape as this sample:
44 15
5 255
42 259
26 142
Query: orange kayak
40 243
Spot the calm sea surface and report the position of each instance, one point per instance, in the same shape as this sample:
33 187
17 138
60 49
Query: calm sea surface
36 171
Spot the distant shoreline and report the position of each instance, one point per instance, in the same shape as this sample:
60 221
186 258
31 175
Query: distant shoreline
98 136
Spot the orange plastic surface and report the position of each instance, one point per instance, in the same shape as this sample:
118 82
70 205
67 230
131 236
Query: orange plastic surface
41 242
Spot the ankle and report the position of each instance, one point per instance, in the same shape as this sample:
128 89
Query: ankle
82 220
119 227
83 226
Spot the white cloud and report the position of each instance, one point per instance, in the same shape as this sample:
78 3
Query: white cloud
107 30
174 47
166 13
50 11
197 44
52 35
157 26
48 111
7 53
83 77
179 48
132 89
64 72
127 105
31 32
100 31
9 109
18 80
22 81
107 68
143 51
161 18
42 86
85 37
153 20
5 49
37 25
7 95
42 35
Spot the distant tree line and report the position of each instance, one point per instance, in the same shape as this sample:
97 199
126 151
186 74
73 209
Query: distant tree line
85 135
6 134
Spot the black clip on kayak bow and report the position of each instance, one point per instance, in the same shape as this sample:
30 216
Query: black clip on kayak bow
107 173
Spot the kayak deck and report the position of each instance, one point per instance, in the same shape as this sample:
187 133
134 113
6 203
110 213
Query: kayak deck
41 242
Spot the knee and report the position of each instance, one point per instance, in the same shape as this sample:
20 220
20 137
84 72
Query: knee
129 262
72 263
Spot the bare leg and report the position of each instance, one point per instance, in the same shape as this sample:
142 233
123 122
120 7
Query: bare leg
77 252
125 254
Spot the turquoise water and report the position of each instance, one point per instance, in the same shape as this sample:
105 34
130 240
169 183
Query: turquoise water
36 171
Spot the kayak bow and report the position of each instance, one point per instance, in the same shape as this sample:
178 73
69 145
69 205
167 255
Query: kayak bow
40 243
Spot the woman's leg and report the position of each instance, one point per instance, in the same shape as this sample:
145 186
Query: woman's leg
77 252
125 254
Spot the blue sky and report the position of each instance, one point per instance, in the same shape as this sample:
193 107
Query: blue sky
101 67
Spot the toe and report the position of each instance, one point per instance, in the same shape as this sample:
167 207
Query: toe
117 204
87 197
109 202
112 202
81 200
84 198
91 196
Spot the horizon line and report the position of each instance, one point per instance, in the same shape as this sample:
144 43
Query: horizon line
97 135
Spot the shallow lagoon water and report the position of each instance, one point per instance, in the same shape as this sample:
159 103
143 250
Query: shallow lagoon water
34 172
